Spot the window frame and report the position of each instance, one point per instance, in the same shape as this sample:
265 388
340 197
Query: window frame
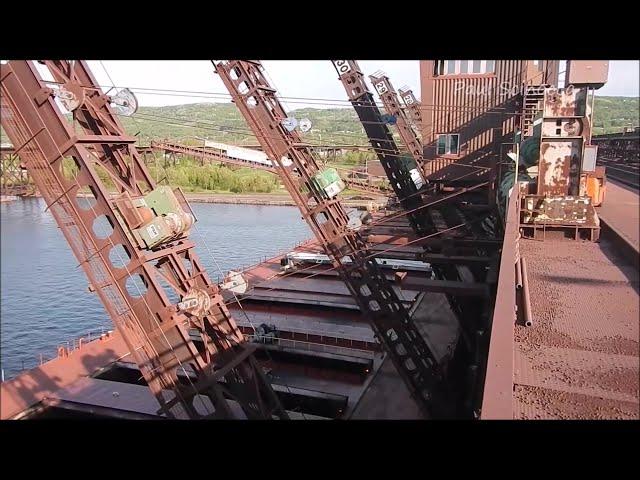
448 137
443 67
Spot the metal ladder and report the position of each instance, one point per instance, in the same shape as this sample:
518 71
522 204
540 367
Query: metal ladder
531 106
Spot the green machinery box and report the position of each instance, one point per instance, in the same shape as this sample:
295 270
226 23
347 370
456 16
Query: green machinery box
328 183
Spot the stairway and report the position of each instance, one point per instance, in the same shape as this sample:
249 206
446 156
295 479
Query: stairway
532 105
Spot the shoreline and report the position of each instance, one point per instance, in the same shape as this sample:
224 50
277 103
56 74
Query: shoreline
270 199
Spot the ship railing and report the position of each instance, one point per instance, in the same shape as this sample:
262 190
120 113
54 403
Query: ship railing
63 350
309 346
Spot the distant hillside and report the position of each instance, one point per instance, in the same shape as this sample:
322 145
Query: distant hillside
337 125
612 114
223 122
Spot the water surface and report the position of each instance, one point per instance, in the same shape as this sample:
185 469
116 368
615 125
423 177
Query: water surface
45 302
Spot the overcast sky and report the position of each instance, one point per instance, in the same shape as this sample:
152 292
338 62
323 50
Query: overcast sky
293 78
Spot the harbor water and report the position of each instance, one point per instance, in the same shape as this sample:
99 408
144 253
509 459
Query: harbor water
45 301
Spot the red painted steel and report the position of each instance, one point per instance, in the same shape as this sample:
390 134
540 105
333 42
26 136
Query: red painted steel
498 385
155 331
409 351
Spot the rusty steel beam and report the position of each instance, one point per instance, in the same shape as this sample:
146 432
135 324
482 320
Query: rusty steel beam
14 178
412 106
462 289
441 258
391 103
526 299
370 184
156 331
209 154
383 144
497 397
411 354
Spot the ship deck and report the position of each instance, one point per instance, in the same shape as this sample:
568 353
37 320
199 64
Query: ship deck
324 361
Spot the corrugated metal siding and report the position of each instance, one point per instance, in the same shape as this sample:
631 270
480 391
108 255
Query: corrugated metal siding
475 107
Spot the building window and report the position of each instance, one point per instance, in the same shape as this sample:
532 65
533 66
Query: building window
448 144
463 67
451 67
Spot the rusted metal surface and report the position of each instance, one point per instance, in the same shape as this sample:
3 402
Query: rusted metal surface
482 108
561 197
498 383
30 387
412 106
580 359
594 73
411 354
620 217
567 102
557 159
154 330
566 127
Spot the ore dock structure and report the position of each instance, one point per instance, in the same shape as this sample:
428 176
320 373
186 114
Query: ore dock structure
499 281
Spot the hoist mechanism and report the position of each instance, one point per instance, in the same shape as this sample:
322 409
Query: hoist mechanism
316 194
155 218
133 245
72 96
124 103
